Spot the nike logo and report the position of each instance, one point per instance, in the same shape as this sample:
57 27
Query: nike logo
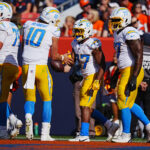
83 140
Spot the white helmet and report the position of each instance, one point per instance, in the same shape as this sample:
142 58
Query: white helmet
82 29
50 15
5 11
120 18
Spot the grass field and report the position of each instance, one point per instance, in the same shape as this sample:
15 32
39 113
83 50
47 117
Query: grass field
20 143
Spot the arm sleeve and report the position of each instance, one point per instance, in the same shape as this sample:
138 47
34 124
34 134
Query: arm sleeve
3 36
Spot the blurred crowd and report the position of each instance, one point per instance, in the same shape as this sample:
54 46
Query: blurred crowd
96 11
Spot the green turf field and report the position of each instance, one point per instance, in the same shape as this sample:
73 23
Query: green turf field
65 138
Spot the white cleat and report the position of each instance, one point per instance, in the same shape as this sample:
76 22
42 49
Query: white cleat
148 132
45 131
29 128
14 125
80 139
123 138
47 138
111 131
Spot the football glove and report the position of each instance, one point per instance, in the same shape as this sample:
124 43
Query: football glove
131 86
95 86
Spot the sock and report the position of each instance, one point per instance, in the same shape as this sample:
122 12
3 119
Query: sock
126 119
138 112
4 113
29 107
99 116
47 111
84 129
108 124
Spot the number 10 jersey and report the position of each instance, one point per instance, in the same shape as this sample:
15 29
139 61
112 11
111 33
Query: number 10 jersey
37 42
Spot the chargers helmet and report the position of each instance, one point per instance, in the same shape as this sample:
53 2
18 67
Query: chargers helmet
82 29
50 15
5 11
119 18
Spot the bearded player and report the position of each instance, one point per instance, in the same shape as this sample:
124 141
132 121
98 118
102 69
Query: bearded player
129 49
87 51
38 38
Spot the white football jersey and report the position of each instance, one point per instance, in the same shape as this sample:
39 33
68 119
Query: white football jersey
37 42
10 37
83 54
124 55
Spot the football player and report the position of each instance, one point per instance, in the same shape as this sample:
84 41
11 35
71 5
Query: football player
39 36
9 44
129 49
87 51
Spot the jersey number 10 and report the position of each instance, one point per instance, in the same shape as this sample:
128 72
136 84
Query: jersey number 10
35 37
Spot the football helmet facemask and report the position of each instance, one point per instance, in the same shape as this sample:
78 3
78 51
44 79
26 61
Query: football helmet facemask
82 29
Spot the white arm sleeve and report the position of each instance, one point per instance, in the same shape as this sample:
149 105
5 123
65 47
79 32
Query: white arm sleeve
3 36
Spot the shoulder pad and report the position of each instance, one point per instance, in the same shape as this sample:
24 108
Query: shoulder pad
56 32
2 27
131 34
94 43
27 24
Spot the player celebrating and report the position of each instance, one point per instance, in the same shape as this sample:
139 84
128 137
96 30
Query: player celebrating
129 55
38 37
87 51
9 43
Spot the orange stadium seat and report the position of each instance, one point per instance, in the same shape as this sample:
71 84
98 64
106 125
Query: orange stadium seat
29 16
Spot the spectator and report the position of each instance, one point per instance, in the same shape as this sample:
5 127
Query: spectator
68 26
148 13
93 17
107 32
102 7
134 23
22 6
86 7
142 19
40 4
126 3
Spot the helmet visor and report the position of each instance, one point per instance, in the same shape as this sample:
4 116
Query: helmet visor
115 23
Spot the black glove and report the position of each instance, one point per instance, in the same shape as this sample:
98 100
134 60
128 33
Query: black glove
131 86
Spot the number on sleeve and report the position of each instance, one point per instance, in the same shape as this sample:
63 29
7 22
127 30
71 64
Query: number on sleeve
16 31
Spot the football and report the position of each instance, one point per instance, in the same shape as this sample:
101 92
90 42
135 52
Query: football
57 65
